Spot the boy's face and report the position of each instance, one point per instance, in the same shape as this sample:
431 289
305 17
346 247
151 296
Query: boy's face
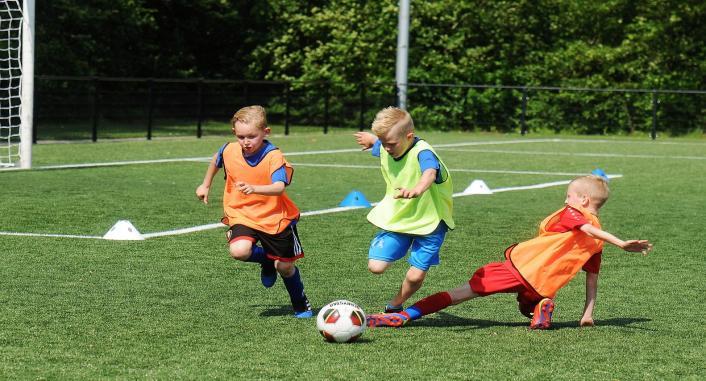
395 142
575 196
250 137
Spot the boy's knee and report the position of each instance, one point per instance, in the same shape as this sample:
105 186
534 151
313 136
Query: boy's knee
416 276
286 269
240 252
376 267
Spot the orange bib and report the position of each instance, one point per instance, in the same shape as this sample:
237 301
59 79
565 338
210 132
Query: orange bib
269 214
549 261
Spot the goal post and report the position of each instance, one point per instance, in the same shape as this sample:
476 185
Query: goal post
16 82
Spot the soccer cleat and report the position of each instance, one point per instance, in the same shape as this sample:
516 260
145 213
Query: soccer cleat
304 314
268 274
542 318
393 309
386 320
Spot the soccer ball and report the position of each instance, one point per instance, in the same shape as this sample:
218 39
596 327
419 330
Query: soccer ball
341 322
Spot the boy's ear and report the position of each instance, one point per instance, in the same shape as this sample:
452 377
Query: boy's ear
410 135
267 131
585 201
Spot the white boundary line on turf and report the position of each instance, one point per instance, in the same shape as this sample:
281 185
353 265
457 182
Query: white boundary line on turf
440 146
304 214
634 156
296 164
301 153
51 235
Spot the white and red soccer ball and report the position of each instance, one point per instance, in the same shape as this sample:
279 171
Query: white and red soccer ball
341 322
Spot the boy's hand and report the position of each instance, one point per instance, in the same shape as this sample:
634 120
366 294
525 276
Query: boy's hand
365 139
202 193
407 193
636 246
586 322
245 187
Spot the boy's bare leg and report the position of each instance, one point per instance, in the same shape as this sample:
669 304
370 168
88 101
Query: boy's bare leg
412 282
377 266
462 293
241 249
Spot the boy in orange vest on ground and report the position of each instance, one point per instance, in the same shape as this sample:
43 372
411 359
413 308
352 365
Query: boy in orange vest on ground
256 207
569 240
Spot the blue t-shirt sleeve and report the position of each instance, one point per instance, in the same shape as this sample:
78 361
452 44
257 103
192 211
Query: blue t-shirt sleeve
376 148
427 160
219 156
280 175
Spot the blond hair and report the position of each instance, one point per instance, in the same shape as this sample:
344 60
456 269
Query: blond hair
254 115
594 187
390 117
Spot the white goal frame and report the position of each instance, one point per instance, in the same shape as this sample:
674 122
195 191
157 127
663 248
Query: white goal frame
26 81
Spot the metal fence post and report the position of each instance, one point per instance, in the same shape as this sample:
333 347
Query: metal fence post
653 134
523 122
95 109
361 123
286 108
326 105
199 128
150 107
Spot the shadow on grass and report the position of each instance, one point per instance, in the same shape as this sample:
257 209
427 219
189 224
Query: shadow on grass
447 320
283 310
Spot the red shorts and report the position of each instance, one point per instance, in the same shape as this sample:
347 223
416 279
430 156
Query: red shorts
501 277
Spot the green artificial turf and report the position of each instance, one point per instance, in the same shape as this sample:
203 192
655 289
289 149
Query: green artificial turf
177 307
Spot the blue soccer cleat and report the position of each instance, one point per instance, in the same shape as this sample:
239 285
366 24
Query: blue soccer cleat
389 309
304 314
268 274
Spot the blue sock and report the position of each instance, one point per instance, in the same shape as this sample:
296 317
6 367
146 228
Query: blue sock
295 288
258 255
413 313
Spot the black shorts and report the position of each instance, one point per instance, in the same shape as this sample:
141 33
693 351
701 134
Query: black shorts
284 246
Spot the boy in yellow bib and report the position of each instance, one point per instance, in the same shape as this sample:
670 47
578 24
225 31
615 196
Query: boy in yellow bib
569 240
416 211
256 206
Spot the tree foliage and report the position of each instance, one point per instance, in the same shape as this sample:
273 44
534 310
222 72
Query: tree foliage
627 44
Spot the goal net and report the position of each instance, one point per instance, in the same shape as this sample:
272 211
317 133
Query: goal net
16 82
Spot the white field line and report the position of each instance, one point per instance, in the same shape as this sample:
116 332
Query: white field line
288 154
296 164
634 156
51 235
304 214
440 146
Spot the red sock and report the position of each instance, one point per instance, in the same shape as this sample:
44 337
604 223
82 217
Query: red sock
429 305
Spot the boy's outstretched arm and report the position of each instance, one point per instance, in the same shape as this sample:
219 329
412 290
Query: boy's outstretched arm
202 190
428 178
274 189
365 139
644 246
591 292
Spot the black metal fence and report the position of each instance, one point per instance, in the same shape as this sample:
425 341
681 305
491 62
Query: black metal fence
99 107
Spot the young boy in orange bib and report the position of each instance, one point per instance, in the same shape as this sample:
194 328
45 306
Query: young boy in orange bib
256 206
569 240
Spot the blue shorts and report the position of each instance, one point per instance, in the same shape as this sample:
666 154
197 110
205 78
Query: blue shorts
390 246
